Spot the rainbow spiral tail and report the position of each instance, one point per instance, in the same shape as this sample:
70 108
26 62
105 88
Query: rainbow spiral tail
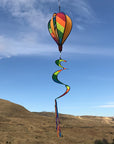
55 79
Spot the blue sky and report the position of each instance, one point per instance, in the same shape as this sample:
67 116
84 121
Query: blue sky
27 55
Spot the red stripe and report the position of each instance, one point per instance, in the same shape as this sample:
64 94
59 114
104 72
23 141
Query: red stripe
62 16
64 93
54 37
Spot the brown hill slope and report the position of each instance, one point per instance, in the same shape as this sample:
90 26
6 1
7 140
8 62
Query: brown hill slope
19 126
10 109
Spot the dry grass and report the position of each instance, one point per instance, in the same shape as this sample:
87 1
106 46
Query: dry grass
19 126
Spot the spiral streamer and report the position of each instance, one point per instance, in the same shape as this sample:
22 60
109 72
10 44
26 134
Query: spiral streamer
55 79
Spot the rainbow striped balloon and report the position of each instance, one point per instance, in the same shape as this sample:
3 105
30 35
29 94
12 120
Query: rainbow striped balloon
60 27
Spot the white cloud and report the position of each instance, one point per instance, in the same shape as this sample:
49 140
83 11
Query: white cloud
27 46
90 50
107 106
26 10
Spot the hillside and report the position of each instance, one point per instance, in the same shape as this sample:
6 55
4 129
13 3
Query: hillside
19 126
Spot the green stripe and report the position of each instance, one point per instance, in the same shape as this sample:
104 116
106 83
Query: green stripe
50 30
58 62
49 27
60 34
54 77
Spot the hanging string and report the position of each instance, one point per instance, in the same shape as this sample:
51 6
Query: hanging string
60 56
59 5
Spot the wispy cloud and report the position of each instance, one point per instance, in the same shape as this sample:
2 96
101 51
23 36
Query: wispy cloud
26 10
81 12
108 105
37 13
27 46
91 50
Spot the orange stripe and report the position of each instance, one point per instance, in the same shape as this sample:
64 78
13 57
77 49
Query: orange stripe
67 90
60 21
59 70
68 28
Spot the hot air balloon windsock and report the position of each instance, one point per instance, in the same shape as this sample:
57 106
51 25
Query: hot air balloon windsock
59 28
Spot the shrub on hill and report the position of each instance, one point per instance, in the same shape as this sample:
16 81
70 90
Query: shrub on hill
104 141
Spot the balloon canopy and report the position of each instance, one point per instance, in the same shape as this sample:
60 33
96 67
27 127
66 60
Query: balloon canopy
60 27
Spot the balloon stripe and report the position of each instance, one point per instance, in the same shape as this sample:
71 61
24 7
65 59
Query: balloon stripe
54 21
50 31
60 21
67 28
55 79
61 15
54 30
60 37
60 28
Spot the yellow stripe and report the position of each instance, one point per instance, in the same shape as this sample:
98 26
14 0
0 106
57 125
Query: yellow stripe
60 28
